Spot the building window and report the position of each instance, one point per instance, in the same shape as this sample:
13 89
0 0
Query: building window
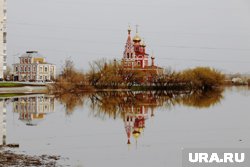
16 69
46 69
28 68
41 77
41 69
21 68
34 68
25 69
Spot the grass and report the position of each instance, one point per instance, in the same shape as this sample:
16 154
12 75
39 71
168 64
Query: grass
7 84
8 95
11 84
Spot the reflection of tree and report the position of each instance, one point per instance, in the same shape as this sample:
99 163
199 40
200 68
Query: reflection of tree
106 103
114 104
202 99
71 101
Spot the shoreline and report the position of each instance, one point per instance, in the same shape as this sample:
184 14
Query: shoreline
9 157
44 89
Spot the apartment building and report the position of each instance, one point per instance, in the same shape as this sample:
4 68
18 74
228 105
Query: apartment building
3 36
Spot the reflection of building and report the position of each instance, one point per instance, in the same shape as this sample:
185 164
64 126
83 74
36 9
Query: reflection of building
134 121
33 67
2 123
32 109
136 115
3 36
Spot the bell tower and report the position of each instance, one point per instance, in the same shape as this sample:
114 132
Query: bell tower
128 54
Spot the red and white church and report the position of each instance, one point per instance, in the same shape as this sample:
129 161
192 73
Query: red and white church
135 56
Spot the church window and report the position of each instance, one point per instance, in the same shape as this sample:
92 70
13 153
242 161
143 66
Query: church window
138 110
127 55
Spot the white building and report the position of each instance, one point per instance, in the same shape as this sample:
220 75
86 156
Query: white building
3 35
33 67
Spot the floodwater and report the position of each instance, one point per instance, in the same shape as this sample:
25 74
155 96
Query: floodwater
126 128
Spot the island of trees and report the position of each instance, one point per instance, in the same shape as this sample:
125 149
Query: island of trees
110 75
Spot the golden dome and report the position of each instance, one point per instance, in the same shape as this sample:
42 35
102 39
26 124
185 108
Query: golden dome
137 38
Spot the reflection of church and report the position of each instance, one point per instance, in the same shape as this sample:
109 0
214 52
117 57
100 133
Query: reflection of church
2 123
33 108
135 116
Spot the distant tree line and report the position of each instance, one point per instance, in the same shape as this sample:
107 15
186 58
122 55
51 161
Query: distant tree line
105 74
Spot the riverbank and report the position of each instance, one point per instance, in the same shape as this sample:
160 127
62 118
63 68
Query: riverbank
24 90
9 158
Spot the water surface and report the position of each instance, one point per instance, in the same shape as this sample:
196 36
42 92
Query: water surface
128 128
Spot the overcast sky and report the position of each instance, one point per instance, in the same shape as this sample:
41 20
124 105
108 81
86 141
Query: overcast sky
181 33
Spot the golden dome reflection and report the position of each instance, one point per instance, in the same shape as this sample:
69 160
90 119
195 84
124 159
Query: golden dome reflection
136 134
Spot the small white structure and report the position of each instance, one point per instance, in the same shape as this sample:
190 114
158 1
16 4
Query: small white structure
239 81
33 67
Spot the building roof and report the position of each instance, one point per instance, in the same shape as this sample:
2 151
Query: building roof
32 54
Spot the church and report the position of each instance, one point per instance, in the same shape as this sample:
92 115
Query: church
135 56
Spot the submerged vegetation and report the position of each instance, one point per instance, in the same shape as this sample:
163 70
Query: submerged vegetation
112 75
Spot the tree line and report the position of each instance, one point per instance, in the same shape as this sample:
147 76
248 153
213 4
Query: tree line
105 74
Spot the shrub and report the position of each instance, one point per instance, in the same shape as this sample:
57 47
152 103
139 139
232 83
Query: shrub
203 78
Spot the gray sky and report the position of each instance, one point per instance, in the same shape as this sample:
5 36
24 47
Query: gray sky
181 33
